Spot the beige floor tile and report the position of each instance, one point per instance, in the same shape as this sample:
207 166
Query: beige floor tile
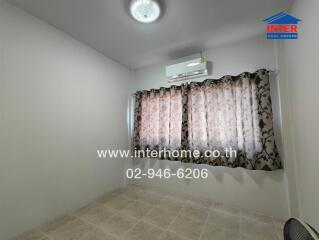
34 235
144 231
231 222
171 203
97 234
279 233
279 223
151 197
250 227
76 229
215 217
224 220
235 211
116 202
160 217
256 216
137 209
116 216
217 206
63 222
195 211
133 193
86 209
258 236
167 235
120 224
212 232
202 202
96 214
179 197
186 227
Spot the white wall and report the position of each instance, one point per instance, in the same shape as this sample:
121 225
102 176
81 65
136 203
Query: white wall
302 81
288 149
265 192
59 102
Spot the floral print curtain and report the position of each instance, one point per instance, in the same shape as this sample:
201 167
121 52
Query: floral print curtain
159 118
233 112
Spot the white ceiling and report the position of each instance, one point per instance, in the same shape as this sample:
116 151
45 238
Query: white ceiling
186 27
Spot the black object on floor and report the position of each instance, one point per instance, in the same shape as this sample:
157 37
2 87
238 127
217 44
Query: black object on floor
296 229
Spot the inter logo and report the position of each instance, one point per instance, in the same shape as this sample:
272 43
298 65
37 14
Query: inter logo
282 26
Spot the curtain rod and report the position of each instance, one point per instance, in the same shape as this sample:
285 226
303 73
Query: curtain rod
274 71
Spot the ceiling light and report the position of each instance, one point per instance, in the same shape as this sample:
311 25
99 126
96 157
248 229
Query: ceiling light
193 64
145 11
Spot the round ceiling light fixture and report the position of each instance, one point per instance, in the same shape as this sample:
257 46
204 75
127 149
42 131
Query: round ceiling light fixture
145 11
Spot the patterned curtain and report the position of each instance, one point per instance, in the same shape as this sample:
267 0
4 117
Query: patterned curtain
158 119
233 112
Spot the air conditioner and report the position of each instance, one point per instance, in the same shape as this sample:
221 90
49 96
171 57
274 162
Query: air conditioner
193 66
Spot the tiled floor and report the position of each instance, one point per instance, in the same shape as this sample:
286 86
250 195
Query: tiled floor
136 213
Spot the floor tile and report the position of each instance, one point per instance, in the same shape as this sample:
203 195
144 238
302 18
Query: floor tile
116 202
224 220
279 223
97 234
133 193
75 229
120 224
195 211
235 211
167 235
231 222
160 217
96 214
258 237
137 213
144 231
202 202
35 235
86 209
279 233
252 228
256 216
212 232
186 227
59 223
151 197
137 209
170 203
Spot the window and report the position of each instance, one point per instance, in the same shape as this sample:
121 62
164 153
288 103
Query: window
231 113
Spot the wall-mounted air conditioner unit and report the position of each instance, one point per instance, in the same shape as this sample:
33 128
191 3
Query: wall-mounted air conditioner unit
193 66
